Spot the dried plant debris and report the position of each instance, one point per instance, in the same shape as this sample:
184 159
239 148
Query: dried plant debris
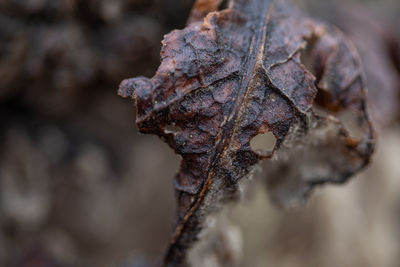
236 74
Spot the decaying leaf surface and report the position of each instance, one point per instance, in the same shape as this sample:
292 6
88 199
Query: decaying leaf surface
236 74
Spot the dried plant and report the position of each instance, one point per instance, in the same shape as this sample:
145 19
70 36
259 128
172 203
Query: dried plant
255 67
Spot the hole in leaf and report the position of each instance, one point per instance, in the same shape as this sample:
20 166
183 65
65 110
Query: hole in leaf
352 123
263 142
172 128
350 120
306 57
319 110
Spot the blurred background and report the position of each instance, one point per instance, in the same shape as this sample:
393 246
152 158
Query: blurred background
80 187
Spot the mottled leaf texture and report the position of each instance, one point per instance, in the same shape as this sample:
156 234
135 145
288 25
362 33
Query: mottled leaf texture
238 73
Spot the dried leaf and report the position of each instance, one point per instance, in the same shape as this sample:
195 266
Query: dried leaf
378 46
237 74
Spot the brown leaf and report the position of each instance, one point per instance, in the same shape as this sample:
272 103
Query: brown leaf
378 46
235 75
